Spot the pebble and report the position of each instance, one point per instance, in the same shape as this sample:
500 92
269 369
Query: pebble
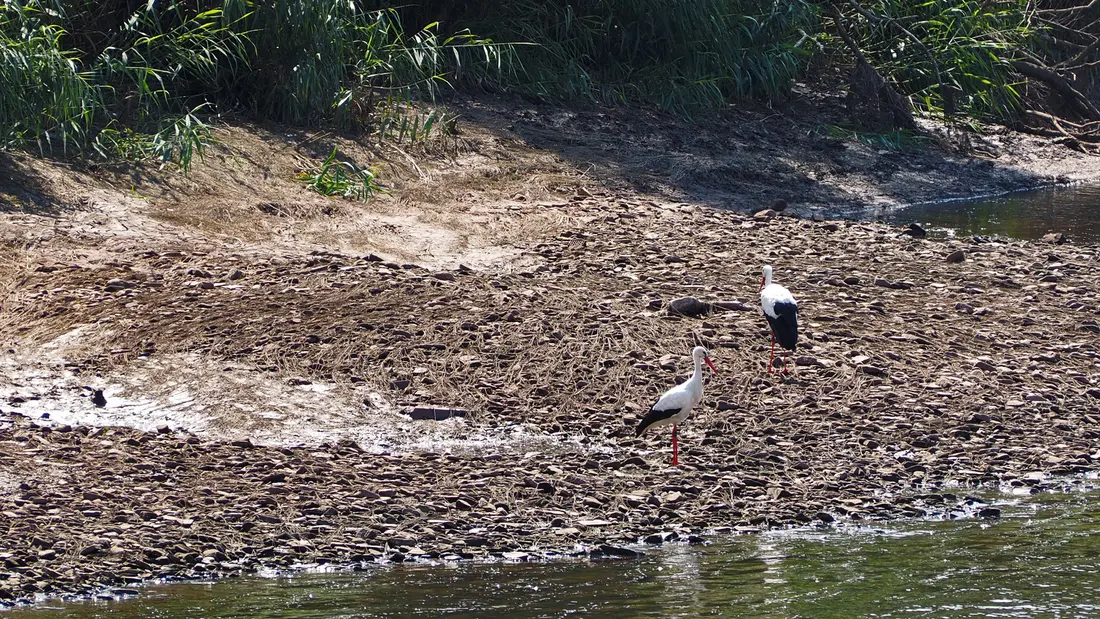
688 306
934 375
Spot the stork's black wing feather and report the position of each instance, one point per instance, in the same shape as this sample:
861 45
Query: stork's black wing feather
785 325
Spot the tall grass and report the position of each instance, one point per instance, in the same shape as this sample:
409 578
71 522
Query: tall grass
92 76
109 78
678 54
971 42
45 97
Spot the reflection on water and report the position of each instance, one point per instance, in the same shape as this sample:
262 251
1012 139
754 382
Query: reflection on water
1038 560
1074 211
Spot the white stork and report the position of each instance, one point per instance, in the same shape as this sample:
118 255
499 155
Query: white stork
781 310
673 407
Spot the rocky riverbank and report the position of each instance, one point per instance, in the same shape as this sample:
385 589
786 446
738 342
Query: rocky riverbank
925 367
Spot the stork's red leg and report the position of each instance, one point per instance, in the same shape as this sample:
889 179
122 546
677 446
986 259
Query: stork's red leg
675 448
771 359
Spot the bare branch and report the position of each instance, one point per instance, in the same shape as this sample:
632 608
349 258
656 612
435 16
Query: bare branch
1060 84
948 98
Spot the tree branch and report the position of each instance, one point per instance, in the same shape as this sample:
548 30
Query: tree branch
1060 84
948 98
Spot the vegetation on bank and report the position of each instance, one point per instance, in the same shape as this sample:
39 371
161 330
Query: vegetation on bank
141 79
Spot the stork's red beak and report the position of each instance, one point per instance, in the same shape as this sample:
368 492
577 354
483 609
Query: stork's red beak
762 280
711 364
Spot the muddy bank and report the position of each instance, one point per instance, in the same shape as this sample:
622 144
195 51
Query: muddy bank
918 374
260 347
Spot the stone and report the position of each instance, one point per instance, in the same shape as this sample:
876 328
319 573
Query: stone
235 274
660 538
956 256
688 306
735 306
422 413
764 215
444 276
114 285
779 205
607 552
1055 237
99 399
916 231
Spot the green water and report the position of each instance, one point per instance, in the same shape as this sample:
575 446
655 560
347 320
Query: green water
1041 559
1073 211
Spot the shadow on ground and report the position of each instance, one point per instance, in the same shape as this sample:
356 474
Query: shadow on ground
24 190
747 158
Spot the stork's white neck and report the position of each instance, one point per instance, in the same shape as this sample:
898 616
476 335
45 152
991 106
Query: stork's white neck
698 375
767 277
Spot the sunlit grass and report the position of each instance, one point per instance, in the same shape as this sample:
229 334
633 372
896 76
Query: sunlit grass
337 178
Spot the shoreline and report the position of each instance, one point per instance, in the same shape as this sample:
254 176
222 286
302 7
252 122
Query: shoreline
858 432
270 342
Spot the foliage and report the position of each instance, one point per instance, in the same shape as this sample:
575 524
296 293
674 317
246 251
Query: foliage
678 54
968 44
44 96
893 140
94 76
141 78
335 177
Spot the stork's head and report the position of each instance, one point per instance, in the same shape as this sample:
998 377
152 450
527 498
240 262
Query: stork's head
700 354
767 276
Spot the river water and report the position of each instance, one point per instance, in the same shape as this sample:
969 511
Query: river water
1072 210
1040 559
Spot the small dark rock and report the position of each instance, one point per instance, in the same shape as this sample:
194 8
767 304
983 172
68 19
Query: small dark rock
735 306
916 231
114 285
1055 237
98 399
989 513
236 274
688 306
421 413
607 551
779 205
956 256
662 537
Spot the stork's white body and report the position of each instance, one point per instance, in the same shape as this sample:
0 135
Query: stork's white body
681 398
772 295
673 407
